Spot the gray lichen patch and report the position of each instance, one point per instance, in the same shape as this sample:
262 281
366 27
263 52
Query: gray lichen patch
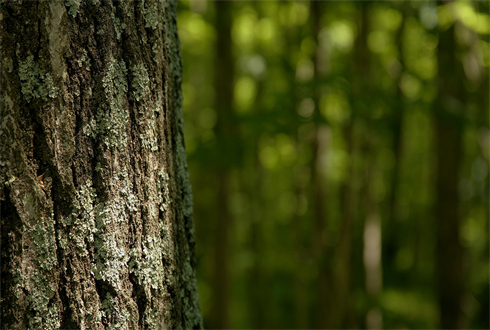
148 138
84 61
146 263
90 129
42 233
9 64
111 259
45 316
42 290
151 13
141 82
123 201
40 281
85 209
113 118
89 223
73 6
116 313
163 191
111 256
114 82
118 27
10 180
153 321
34 82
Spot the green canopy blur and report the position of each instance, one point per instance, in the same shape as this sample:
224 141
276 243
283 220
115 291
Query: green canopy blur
338 153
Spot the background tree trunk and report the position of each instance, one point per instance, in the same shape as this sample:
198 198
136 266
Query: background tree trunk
224 82
96 203
449 124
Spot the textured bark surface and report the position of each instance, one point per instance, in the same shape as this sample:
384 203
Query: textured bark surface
91 99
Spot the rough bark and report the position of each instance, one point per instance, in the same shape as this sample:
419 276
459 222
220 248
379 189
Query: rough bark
96 203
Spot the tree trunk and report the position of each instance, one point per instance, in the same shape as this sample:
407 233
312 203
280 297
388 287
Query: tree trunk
449 109
326 311
96 206
224 82
373 267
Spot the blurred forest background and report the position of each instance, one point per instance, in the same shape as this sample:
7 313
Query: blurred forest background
338 153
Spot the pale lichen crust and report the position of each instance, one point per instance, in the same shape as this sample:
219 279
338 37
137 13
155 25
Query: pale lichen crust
35 83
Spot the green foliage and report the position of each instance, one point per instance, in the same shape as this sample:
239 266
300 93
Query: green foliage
347 108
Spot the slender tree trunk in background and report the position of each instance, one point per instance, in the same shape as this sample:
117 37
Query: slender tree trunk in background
348 194
224 84
302 251
397 123
319 140
96 204
257 308
221 283
449 108
371 221
319 146
372 242
343 257
253 183
300 280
